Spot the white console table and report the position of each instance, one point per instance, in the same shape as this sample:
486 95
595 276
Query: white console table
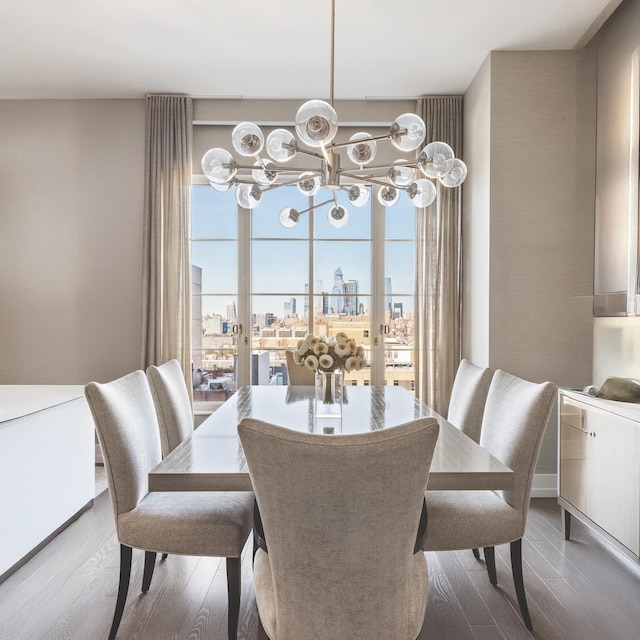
47 468
599 467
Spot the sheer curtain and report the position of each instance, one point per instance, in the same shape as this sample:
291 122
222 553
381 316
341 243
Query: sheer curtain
167 232
438 248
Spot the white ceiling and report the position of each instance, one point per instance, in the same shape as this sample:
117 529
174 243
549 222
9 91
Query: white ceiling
276 49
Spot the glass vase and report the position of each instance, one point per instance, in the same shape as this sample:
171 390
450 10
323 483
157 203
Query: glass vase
328 394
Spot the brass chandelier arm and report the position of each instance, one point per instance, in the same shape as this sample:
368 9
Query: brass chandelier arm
338 145
372 180
315 206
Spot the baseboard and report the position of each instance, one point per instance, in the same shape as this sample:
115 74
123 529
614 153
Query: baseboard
545 485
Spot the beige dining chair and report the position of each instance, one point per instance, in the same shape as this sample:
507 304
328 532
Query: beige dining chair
514 421
340 547
468 396
182 523
298 375
172 402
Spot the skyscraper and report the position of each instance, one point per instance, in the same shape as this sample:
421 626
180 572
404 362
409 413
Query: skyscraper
337 293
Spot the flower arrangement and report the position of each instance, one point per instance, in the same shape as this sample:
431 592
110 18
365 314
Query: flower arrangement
330 354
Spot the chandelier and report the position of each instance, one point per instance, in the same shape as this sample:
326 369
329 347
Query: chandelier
316 126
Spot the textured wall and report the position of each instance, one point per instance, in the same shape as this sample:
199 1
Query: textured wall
537 268
71 200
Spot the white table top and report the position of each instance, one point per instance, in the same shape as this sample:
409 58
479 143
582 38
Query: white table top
212 458
17 400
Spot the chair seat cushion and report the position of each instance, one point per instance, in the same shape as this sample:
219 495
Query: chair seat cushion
470 519
265 597
189 523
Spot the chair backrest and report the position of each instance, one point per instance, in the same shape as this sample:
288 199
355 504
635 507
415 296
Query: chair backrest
468 395
127 427
173 404
340 516
298 375
515 418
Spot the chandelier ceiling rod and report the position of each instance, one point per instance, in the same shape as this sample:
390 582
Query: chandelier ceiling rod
333 50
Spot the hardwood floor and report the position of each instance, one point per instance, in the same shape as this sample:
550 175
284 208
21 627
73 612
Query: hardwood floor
578 589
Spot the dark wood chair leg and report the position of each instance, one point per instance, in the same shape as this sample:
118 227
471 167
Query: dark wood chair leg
566 524
165 556
476 553
490 561
149 565
516 568
234 584
126 553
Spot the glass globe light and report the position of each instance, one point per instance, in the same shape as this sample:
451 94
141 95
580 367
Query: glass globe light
456 175
248 196
316 123
436 159
289 217
358 195
223 187
400 174
265 175
363 151
247 139
338 216
388 196
281 145
422 192
407 132
308 184
218 165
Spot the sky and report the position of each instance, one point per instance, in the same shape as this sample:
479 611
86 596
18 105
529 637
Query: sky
280 266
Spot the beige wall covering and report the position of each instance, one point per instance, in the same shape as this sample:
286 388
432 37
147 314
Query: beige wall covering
71 193
531 246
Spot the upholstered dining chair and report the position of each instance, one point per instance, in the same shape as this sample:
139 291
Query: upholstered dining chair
172 402
298 375
182 523
468 395
340 548
515 417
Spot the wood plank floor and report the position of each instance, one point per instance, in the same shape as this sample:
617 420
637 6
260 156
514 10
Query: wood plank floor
580 589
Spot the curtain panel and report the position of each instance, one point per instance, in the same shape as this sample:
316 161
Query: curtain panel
438 277
166 313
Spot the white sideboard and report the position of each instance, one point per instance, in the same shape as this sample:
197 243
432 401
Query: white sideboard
599 467
47 468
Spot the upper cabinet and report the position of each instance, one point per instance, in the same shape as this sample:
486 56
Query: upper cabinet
616 274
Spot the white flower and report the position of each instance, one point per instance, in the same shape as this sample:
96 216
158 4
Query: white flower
351 363
326 361
342 349
341 336
361 363
313 340
296 357
303 348
321 348
352 343
311 362
360 352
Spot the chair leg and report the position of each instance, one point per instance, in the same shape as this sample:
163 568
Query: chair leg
516 568
233 589
126 554
165 556
149 564
490 561
476 554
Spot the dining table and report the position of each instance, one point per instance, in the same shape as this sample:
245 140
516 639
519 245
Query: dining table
212 459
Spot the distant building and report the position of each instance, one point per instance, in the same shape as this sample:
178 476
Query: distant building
350 289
